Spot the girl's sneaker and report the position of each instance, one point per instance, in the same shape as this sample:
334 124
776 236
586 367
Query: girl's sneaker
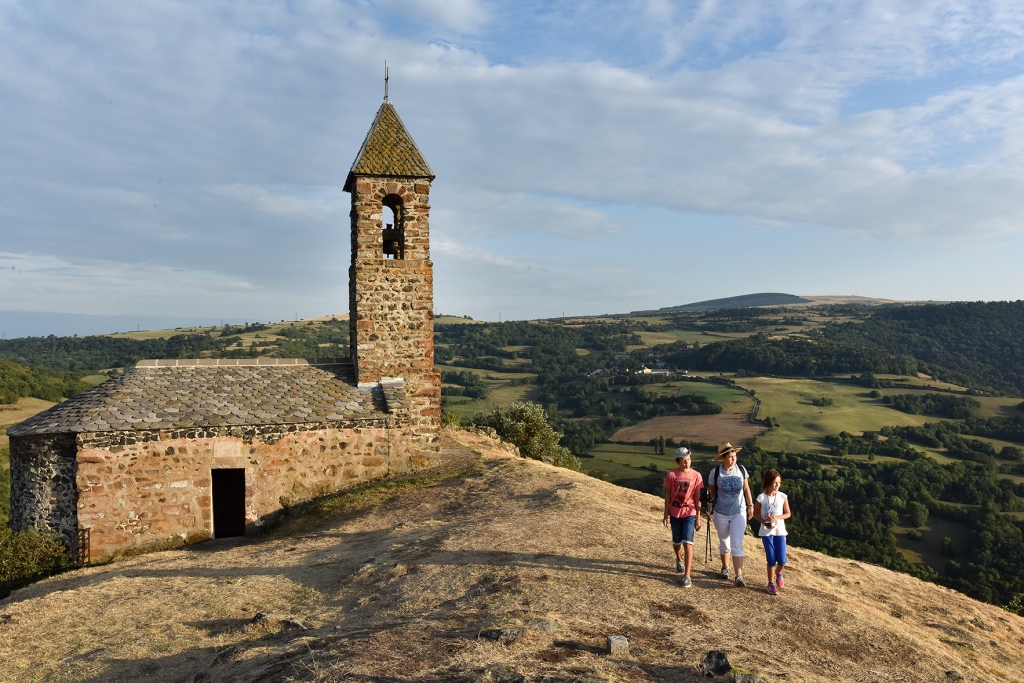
740 583
780 579
772 590
724 573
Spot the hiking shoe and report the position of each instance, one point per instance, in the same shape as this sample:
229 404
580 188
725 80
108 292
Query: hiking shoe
740 583
679 566
772 590
687 583
780 579
724 573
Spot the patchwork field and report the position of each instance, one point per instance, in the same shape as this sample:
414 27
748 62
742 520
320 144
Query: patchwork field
500 393
708 429
928 549
803 424
637 467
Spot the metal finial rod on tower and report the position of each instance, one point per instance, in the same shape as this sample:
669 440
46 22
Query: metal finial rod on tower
385 80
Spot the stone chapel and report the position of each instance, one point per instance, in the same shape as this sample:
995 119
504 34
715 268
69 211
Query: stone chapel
184 450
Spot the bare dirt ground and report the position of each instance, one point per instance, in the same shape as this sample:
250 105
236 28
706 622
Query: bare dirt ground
407 581
710 429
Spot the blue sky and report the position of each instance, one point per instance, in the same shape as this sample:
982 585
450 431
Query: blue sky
186 159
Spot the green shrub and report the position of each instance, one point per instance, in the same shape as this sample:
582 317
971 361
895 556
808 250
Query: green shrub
27 556
526 425
914 535
450 418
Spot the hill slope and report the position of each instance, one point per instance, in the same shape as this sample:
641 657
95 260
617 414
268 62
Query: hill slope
398 583
742 301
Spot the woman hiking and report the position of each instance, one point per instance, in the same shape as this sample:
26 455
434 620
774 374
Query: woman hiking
734 507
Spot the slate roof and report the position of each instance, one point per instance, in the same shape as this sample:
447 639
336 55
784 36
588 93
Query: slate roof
183 394
389 150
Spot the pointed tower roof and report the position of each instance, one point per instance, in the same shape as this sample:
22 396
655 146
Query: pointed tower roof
388 150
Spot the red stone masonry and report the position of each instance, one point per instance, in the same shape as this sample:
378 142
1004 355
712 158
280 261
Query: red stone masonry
391 301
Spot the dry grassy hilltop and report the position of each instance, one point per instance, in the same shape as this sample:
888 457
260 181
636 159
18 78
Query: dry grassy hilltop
407 581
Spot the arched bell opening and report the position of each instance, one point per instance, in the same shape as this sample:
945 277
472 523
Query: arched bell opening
392 232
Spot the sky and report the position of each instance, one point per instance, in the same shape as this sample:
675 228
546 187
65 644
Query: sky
185 160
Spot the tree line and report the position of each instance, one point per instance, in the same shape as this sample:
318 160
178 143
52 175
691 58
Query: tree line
18 381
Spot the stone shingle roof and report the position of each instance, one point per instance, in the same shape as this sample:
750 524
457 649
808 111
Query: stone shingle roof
389 150
182 394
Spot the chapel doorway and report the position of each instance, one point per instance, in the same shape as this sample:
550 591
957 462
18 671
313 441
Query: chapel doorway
228 502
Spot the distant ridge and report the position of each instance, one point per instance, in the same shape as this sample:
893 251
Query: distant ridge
743 301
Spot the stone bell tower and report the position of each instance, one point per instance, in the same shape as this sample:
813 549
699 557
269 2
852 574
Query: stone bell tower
391 279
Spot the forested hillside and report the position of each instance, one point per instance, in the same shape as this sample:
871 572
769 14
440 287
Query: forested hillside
983 341
850 510
789 356
91 354
18 381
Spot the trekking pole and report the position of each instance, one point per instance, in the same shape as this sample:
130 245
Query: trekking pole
707 543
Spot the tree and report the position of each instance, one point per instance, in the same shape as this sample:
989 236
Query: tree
917 513
526 425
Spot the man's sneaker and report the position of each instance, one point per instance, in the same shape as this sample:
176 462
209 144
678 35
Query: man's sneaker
687 583
724 573
772 590
740 583
780 579
679 566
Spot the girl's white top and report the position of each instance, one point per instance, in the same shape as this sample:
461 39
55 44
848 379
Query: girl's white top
774 506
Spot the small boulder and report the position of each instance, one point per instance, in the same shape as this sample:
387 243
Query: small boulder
500 674
982 624
544 625
505 636
715 664
286 620
617 646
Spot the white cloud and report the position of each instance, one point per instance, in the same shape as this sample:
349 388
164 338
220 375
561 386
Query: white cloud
33 282
212 139
314 203
474 213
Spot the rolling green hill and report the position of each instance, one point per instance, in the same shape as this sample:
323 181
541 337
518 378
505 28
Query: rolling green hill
743 301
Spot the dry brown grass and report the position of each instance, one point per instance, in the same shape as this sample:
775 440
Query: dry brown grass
397 584
13 413
709 429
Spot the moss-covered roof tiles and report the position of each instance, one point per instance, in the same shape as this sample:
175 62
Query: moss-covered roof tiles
389 150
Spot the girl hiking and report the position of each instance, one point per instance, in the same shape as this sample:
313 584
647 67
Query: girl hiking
682 510
772 510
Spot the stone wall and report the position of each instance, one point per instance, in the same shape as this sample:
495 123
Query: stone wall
391 301
140 490
43 491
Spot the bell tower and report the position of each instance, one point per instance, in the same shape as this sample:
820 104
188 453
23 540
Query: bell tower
391 279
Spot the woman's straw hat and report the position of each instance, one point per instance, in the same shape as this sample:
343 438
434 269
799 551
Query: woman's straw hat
726 447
